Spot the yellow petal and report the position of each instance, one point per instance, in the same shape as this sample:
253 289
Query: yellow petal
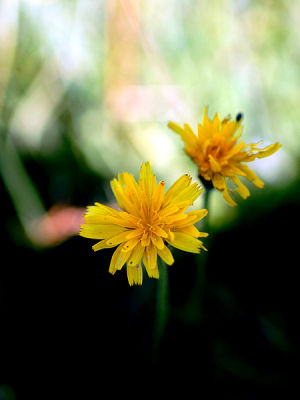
267 151
130 188
157 241
171 235
159 231
158 196
235 151
216 123
100 209
150 257
174 219
219 182
168 210
198 213
122 199
206 122
185 242
251 176
203 234
145 241
192 140
201 135
93 231
166 255
182 183
176 128
93 218
186 133
121 218
242 190
134 274
227 198
102 245
136 255
130 244
130 183
192 218
231 170
135 233
128 220
147 180
183 192
191 193
117 239
118 192
229 128
118 259
192 231
215 166
152 273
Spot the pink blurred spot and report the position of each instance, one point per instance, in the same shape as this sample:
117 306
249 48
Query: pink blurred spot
60 223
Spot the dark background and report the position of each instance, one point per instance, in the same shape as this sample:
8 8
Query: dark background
69 326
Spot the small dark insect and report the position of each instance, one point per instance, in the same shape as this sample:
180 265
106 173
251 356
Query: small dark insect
238 117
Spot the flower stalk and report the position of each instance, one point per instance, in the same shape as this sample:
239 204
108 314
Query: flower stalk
162 303
195 304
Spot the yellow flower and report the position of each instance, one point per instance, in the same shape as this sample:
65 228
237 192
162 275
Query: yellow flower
148 217
218 155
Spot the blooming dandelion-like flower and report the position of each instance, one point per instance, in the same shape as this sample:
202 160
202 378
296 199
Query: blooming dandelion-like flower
218 154
148 218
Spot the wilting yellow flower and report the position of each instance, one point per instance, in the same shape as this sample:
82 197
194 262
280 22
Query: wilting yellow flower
218 155
148 217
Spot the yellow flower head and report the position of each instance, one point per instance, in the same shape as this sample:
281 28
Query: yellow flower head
148 217
218 155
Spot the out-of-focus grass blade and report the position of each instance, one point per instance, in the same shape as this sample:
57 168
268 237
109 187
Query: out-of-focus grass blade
21 189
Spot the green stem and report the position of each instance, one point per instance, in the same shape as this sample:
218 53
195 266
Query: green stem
195 304
206 205
162 302
201 272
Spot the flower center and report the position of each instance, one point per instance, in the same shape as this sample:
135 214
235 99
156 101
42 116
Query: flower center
152 230
148 228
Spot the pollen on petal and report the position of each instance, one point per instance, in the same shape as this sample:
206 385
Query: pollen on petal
136 255
130 244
